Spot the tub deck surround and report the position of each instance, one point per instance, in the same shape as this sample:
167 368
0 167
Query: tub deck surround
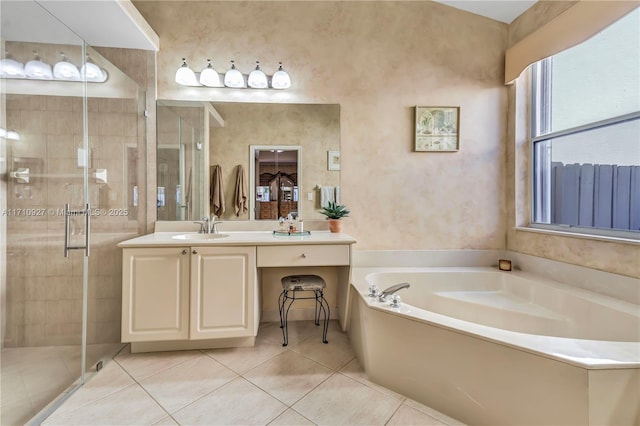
543 360
193 291
517 322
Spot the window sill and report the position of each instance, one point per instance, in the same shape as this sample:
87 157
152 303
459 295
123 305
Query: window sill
603 238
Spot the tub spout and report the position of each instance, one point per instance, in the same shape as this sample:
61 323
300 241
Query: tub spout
389 291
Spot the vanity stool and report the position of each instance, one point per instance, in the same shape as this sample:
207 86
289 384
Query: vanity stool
291 286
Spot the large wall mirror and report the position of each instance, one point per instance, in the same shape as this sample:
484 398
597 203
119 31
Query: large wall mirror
280 151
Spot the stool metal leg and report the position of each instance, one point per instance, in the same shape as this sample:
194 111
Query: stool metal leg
324 306
316 315
281 300
285 314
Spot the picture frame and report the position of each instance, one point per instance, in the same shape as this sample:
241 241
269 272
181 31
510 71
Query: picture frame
333 160
437 129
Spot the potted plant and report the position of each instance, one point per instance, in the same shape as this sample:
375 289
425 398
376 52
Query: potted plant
334 213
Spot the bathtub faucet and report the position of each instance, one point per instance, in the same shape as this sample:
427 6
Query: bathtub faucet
389 291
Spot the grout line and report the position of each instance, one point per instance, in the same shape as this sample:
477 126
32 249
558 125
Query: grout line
394 413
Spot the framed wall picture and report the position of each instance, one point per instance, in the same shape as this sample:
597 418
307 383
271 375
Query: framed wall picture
437 129
333 160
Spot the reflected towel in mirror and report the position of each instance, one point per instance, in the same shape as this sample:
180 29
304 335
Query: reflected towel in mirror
216 192
240 194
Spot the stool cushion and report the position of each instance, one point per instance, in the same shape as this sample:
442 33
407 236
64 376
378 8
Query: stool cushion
303 282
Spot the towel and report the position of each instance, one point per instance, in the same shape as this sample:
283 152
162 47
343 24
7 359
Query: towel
216 192
327 193
188 194
337 195
240 194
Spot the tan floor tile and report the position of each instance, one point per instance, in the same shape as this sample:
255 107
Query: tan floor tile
343 401
128 406
334 354
288 376
12 388
354 370
236 403
143 365
407 416
51 376
182 384
298 331
167 421
110 379
17 413
25 358
291 418
433 413
242 360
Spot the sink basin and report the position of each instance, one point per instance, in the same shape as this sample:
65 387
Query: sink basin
199 237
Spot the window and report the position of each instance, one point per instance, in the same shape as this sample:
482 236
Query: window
585 130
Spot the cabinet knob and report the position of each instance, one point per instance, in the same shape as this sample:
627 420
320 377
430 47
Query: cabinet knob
304 256
195 251
184 251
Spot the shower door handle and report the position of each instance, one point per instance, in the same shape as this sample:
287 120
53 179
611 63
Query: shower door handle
87 223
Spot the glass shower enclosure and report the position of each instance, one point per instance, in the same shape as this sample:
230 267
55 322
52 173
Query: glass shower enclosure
73 167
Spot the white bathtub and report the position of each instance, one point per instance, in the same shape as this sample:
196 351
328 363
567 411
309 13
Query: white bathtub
492 347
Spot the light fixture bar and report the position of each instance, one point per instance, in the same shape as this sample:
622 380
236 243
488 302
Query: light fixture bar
64 70
232 78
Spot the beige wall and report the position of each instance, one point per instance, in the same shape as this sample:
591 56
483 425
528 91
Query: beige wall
608 256
377 60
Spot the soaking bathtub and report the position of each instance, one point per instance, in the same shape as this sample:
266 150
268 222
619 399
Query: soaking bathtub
497 348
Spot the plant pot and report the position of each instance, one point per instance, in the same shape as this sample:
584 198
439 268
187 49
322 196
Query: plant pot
335 225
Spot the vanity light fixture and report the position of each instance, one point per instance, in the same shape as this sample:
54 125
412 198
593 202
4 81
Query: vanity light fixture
233 78
38 69
185 75
209 76
65 70
10 68
9 134
281 79
92 72
258 79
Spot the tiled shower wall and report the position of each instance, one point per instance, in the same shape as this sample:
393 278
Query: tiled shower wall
44 289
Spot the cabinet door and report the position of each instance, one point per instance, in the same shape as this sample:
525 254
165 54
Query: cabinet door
155 294
223 292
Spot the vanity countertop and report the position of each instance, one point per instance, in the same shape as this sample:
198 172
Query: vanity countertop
235 238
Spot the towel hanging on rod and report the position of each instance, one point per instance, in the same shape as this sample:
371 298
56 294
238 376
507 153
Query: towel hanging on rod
327 194
240 194
216 192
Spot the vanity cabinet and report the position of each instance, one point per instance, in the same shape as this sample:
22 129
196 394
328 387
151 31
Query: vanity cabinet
303 255
191 291
222 292
155 294
188 293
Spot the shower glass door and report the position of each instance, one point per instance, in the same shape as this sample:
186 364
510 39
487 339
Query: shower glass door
72 160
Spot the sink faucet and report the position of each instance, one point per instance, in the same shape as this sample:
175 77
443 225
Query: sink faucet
212 225
204 226
389 291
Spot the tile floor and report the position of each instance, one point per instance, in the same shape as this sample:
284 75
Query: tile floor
305 383
34 376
